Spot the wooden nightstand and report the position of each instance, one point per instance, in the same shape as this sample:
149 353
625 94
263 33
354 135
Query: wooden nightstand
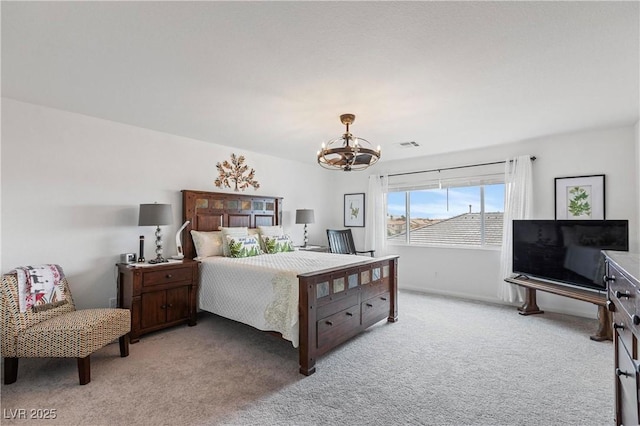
158 296
322 249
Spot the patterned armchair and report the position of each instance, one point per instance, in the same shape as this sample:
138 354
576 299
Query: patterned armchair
59 332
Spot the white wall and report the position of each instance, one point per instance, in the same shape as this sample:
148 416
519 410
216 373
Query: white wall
637 137
473 273
72 184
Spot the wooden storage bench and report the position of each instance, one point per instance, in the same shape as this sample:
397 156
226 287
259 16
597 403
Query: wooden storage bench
530 305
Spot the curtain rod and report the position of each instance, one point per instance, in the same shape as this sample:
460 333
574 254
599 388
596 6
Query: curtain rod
533 158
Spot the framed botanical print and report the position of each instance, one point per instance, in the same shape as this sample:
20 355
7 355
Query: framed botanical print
354 210
580 197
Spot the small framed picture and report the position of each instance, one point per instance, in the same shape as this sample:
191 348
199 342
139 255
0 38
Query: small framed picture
580 197
354 210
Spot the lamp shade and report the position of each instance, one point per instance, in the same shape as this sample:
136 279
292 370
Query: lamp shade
304 216
155 215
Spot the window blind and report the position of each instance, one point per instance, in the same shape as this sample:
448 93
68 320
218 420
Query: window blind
485 175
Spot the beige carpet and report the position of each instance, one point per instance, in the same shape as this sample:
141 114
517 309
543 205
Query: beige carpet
446 362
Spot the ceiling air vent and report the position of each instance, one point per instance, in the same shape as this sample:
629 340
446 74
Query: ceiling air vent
411 144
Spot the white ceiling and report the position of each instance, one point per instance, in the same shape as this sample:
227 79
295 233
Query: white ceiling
273 77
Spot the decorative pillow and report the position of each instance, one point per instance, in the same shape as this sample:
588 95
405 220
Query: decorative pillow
243 246
207 243
239 231
277 244
269 231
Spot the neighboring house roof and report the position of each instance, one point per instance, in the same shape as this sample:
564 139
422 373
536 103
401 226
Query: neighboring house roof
463 229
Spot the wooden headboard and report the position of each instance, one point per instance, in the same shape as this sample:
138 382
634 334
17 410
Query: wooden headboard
208 211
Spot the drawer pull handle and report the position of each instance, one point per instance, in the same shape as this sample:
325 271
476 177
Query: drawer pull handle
622 373
370 305
383 298
636 319
328 323
611 307
608 278
169 276
349 314
620 294
618 326
163 306
170 305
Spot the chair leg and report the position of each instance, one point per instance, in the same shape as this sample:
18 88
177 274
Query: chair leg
124 345
10 370
84 369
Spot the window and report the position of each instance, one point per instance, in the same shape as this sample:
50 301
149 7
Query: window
458 215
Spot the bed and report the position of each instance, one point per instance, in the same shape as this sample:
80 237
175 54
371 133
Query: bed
315 300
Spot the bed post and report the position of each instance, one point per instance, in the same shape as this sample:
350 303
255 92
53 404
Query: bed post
393 308
307 323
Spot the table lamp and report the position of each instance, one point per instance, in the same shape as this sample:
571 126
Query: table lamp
156 215
305 216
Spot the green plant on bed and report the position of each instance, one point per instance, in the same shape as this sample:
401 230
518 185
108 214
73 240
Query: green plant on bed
239 249
270 245
236 248
288 246
253 251
277 245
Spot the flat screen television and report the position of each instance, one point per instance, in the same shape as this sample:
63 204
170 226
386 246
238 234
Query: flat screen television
567 251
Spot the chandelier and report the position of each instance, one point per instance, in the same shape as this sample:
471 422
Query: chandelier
348 152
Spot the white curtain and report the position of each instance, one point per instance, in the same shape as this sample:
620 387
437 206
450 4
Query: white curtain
517 205
375 236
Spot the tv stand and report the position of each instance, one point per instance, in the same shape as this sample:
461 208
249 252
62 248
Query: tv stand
530 306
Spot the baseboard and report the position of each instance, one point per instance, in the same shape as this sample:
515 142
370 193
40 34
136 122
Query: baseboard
497 301
457 295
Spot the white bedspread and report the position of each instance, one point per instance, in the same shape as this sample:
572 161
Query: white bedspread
262 291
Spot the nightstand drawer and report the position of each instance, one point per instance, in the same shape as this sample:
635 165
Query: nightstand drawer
166 276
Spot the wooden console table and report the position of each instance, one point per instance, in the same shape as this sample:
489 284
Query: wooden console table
530 305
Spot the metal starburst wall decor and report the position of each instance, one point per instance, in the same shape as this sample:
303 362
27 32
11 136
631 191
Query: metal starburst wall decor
234 171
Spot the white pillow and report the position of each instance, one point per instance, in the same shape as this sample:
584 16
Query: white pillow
271 231
207 243
238 231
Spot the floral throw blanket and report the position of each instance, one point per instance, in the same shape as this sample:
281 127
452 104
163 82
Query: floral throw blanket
40 287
